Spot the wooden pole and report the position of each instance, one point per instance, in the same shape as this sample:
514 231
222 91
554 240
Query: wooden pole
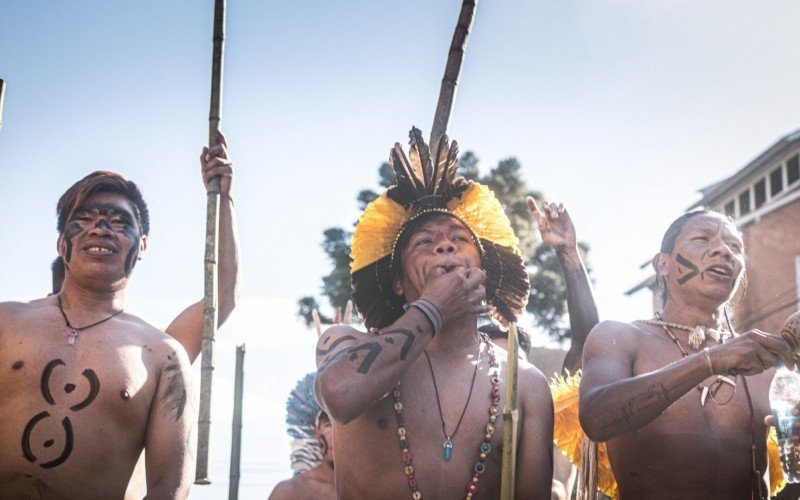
2 99
452 72
510 418
212 236
236 435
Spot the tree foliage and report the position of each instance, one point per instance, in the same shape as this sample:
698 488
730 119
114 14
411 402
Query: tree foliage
547 301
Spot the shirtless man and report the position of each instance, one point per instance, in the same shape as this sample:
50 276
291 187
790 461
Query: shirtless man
187 327
674 428
316 483
86 386
423 377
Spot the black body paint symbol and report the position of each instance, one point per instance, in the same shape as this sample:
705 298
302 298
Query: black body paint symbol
94 389
176 390
321 352
372 352
407 344
19 364
694 269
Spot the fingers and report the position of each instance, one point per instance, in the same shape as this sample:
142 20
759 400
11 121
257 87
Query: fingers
475 277
775 345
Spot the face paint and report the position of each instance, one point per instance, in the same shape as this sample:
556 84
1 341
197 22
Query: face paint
72 230
694 270
114 219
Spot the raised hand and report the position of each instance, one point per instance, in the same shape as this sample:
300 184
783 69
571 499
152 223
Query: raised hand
555 224
214 162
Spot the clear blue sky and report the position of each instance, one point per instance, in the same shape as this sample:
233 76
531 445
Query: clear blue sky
620 109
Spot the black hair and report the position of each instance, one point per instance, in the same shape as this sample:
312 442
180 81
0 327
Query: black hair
58 271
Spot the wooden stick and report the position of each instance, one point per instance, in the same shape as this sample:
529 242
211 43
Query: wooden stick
510 418
317 322
212 237
452 72
2 99
348 313
236 436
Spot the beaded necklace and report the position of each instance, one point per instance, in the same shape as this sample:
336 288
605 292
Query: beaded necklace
485 447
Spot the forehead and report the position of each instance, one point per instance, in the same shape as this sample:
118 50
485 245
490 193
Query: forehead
107 203
710 223
441 222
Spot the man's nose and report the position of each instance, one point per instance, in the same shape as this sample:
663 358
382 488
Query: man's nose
721 249
102 228
445 246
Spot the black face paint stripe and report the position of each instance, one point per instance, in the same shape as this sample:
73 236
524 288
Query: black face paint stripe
67 446
72 230
45 382
685 262
26 436
94 388
130 259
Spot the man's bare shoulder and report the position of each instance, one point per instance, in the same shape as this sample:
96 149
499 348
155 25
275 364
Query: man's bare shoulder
336 336
617 333
155 339
300 487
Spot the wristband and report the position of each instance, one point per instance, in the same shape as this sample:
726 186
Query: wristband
431 313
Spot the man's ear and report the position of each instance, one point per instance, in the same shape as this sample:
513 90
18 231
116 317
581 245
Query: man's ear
660 264
142 246
61 244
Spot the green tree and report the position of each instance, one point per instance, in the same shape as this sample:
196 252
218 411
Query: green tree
547 301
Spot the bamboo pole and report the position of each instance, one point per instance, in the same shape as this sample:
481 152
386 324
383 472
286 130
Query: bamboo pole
452 72
2 99
510 418
236 435
212 237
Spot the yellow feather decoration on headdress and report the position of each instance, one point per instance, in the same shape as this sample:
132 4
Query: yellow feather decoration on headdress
569 437
383 220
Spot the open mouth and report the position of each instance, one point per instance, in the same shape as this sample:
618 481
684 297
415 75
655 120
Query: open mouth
720 270
99 250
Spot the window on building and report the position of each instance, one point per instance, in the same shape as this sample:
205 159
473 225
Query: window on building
730 209
760 191
776 181
744 203
792 170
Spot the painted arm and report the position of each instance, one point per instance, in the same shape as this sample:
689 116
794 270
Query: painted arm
187 327
355 370
534 475
558 231
614 402
170 438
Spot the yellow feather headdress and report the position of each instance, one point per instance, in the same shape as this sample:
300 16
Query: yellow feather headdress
428 187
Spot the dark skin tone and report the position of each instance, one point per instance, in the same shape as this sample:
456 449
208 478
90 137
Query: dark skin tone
69 430
558 231
639 394
317 483
440 264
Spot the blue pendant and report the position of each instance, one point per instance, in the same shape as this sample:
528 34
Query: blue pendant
448 450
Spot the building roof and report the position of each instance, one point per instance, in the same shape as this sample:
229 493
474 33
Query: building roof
712 194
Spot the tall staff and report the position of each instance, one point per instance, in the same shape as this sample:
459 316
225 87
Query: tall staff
510 418
452 71
212 237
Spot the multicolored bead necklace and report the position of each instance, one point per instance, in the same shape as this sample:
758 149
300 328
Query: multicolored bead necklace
485 447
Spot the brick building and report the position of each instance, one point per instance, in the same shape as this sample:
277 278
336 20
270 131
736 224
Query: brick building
764 198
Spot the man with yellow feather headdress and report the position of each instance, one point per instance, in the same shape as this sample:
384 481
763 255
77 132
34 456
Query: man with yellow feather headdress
415 402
